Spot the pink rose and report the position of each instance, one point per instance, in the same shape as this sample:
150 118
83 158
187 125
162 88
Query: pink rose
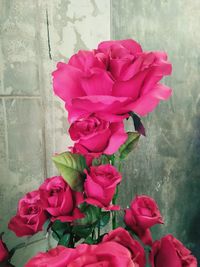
121 236
100 185
59 200
113 80
104 254
30 215
170 252
143 214
97 135
89 156
4 253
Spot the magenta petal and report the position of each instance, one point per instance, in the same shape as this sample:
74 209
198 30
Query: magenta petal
98 83
117 66
131 70
67 202
83 106
85 60
130 88
66 82
93 144
146 237
167 255
129 44
92 189
118 137
94 202
149 101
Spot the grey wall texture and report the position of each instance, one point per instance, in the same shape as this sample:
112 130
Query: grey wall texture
35 34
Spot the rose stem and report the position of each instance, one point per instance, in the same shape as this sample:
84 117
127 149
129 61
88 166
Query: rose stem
114 218
99 229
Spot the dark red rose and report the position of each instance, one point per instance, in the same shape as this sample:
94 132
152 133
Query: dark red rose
30 215
143 214
170 252
59 200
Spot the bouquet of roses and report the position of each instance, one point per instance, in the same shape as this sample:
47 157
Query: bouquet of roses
101 88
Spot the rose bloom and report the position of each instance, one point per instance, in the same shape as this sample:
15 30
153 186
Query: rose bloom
100 185
170 252
30 215
59 200
4 253
121 236
89 156
143 214
97 135
116 78
104 254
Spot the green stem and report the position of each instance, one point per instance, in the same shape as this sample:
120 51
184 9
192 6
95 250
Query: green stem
114 201
71 241
99 230
93 234
114 217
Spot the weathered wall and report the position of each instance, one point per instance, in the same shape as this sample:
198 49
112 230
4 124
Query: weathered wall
35 34
167 163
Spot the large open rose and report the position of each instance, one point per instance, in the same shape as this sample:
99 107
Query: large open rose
100 185
114 79
104 254
30 215
97 135
121 236
170 252
59 200
143 214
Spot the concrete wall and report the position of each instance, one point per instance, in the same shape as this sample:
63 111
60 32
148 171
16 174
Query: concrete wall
35 34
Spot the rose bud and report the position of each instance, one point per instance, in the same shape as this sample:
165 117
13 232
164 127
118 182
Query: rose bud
100 185
30 215
143 214
170 252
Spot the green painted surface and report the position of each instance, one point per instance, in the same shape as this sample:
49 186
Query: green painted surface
166 164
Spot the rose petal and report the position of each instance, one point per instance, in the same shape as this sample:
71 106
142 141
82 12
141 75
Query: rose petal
66 82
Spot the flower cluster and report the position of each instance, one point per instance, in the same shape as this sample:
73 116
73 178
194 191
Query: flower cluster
100 89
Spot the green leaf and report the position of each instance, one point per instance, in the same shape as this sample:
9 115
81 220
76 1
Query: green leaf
82 231
64 240
105 218
90 241
71 167
129 145
59 228
92 214
103 159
